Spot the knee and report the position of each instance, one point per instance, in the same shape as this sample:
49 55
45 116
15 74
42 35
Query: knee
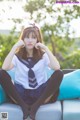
59 73
2 71
4 74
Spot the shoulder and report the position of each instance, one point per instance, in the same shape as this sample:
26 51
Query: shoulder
15 58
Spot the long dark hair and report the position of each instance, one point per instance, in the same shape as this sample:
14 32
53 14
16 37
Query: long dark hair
37 53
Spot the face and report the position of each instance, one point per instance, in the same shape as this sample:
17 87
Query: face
30 41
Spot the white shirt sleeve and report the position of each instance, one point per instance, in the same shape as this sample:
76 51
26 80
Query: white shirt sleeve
46 59
14 60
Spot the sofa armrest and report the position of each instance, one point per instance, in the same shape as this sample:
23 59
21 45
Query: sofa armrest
3 97
65 71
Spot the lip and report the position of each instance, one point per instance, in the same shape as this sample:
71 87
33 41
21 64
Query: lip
30 44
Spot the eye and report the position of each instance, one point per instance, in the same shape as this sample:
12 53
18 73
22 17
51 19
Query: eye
34 37
26 38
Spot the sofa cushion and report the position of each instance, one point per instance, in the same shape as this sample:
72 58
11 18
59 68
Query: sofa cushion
45 112
3 97
12 74
70 86
13 111
50 112
71 110
49 72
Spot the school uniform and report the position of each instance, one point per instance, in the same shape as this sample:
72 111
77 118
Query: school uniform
23 92
28 93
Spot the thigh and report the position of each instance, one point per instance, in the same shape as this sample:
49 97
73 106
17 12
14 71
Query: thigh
36 93
20 90
53 98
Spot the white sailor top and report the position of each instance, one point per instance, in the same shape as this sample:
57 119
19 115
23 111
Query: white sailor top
21 71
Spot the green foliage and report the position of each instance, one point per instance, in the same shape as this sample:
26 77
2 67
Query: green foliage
55 33
6 43
55 42
33 5
72 61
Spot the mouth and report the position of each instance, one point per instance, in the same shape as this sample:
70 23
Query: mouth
30 44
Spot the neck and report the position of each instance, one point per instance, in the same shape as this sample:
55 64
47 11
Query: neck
30 53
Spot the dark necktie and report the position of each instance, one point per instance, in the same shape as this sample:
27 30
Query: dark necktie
31 75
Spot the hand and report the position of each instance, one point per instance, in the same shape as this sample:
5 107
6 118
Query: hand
40 46
19 43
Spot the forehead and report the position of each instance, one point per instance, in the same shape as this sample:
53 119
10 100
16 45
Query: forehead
30 32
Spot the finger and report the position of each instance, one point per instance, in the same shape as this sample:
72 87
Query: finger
36 46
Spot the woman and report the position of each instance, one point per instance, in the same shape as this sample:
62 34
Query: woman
30 57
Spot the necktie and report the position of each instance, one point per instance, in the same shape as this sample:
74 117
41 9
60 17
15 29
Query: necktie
31 75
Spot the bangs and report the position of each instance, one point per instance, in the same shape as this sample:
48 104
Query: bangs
30 31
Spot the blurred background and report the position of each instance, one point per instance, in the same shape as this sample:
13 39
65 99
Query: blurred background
59 23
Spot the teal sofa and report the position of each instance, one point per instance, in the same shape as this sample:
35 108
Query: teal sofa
60 110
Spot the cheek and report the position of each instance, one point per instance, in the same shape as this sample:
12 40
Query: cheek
35 42
24 42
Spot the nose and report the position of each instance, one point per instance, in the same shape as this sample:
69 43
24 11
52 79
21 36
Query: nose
30 39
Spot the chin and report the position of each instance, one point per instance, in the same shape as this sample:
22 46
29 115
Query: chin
30 47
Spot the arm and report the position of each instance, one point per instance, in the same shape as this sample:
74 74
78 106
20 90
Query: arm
7 65
54 64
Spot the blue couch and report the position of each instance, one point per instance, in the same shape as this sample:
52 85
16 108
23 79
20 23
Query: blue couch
60 110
